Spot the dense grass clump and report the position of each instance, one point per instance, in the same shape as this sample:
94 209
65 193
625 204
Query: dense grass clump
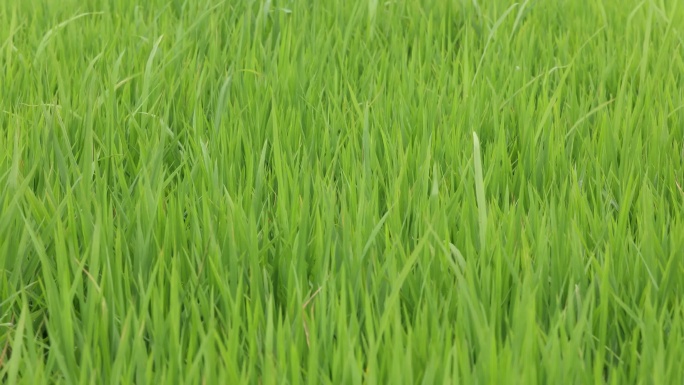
341 192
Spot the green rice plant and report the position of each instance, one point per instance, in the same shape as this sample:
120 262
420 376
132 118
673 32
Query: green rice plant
281 191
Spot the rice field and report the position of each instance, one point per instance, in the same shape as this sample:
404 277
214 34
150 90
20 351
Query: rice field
341 192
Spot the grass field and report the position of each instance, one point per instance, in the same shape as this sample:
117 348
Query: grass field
341 192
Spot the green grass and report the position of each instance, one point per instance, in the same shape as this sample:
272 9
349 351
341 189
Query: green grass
434 191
